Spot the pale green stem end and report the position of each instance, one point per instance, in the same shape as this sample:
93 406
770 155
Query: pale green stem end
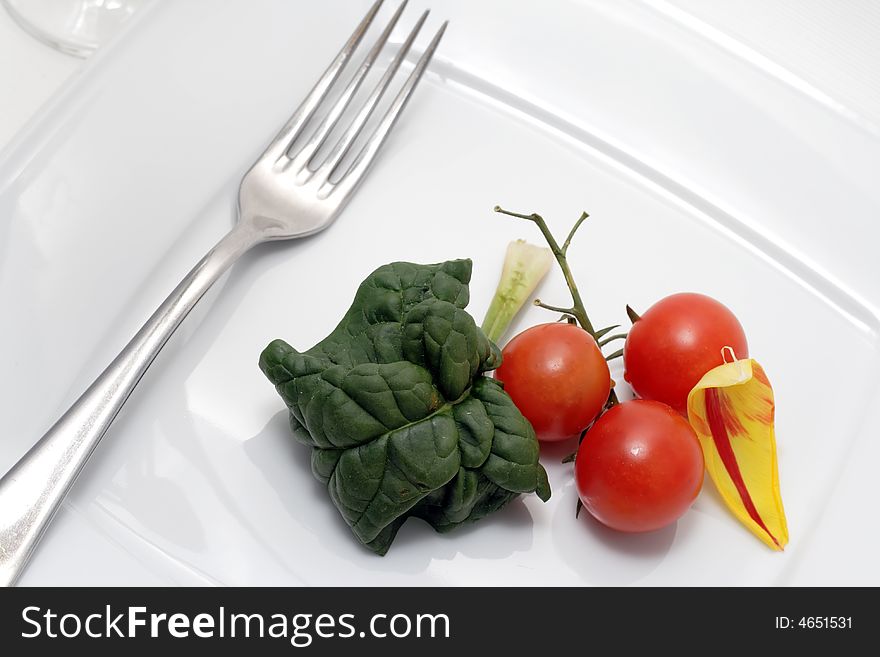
525 265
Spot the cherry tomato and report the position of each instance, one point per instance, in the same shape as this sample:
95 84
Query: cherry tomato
676 341
640 467
557 377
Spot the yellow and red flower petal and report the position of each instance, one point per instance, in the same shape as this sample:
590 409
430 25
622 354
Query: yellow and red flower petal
731 409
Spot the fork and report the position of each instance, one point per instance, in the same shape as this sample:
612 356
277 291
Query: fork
289 192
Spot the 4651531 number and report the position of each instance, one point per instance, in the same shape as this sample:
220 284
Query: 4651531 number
815 622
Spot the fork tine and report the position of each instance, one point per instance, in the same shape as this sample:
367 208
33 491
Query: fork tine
282 142
365 158
340 150
307 152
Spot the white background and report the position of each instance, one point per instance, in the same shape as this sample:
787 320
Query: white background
832 45
828 49
29 74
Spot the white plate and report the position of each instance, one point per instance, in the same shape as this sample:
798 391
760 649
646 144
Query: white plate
701 172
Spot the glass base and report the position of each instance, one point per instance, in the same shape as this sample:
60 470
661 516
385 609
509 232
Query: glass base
75 27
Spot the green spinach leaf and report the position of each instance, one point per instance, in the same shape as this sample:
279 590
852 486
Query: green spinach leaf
399 417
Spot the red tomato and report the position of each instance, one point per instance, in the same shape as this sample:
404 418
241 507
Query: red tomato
557 377
675 343
639 467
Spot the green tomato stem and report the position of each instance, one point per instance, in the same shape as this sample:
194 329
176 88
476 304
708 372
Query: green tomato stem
612 338
577 310
555 309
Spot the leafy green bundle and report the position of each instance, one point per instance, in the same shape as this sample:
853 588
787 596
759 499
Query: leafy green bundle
399 417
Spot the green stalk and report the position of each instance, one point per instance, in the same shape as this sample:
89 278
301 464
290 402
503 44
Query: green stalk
525 265
577 309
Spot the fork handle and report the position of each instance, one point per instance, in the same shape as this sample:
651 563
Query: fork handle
33 489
